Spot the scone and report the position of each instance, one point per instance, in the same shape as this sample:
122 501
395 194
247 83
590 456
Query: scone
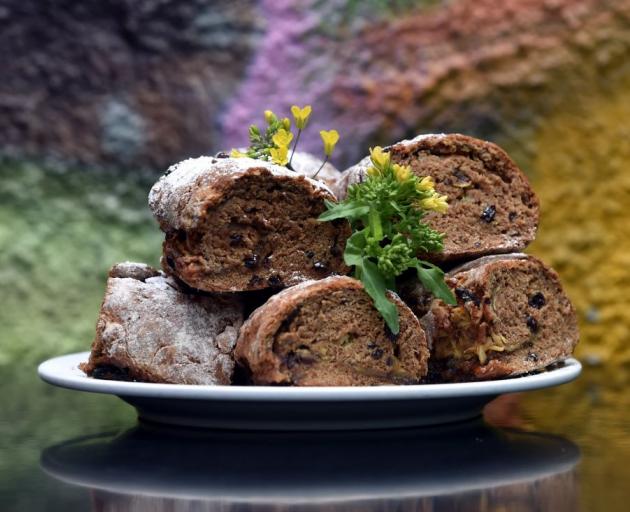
149 330
308 164
237 224
328 333
512 317
492 208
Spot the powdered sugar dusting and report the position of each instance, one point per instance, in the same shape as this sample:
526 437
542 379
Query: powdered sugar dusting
164 335
173 198
351 176
418 138
307 164
139 271
479 262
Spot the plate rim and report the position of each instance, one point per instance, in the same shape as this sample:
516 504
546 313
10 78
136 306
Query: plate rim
63 371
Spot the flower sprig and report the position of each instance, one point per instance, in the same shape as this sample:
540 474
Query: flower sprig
386 214
330 139
301 117
273 143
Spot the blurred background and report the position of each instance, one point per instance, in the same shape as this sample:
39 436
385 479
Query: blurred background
99 97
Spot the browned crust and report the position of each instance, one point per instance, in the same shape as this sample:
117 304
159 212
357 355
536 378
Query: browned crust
308 164
138 271
255 350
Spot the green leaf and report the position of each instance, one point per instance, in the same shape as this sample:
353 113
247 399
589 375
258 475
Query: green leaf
376 288
344 211
396 207
432 279
353 255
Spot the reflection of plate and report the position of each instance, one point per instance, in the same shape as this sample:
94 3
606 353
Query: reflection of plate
286 408
301 468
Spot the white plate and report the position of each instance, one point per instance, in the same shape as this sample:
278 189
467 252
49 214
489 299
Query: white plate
296 408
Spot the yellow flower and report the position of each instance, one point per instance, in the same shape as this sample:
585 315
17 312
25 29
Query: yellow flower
286 123
235 153
441 205
269 116
425 184
279 155
379 158
282 138
436 203
401 172
373 171
301 115
330 138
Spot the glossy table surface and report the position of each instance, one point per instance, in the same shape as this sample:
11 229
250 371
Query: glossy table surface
565 448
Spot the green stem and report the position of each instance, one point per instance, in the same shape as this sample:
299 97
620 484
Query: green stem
375 224
320 168
297 139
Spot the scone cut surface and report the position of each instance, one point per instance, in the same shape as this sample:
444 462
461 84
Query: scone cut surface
328 333
512 318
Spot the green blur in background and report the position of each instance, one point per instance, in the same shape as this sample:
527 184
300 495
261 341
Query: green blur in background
60 231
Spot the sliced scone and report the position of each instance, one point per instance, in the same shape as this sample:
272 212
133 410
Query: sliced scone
492 208
512 317
148 330
328 333
308 165
237 224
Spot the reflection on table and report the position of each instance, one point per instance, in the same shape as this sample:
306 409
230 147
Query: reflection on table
467 466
